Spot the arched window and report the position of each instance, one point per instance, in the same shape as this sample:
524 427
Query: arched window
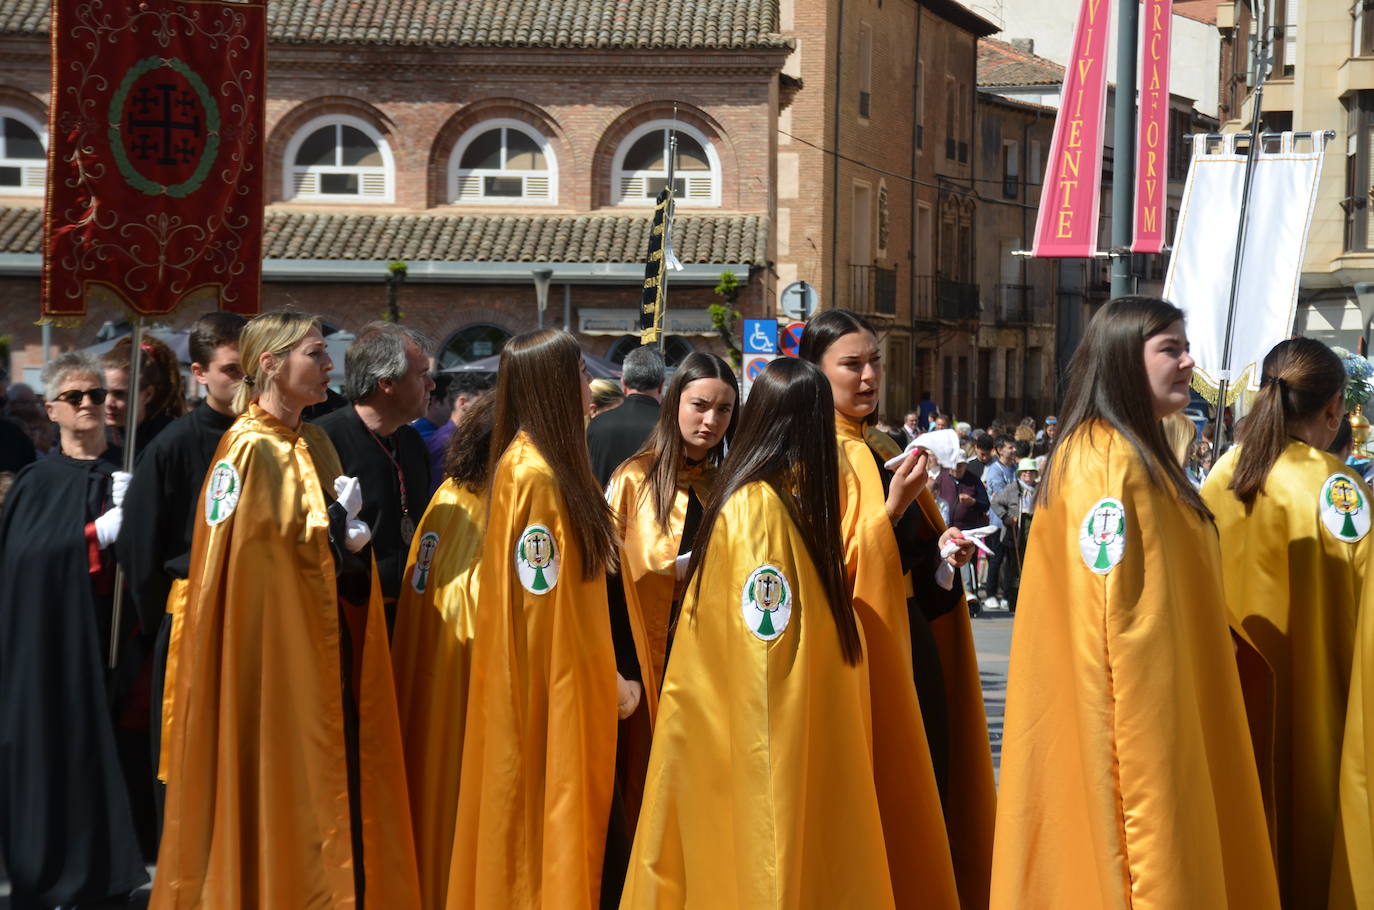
641 166
675 349
338 158
23 154
502 162
473 342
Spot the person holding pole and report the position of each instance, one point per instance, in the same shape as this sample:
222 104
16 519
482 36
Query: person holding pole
1298 566
68 824
1128 779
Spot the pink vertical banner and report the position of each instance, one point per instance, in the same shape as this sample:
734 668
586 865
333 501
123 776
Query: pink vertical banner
1066 225
1152 130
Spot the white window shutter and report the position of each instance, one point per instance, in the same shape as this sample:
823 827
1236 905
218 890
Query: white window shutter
699 188
469 187
33 176
306 183
537 186
373 184
632 187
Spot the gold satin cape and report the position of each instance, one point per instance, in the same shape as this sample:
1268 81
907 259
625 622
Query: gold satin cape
648 557
257 810
539 757
970 803
760 788
1127 774
1295 591
917 844
431 653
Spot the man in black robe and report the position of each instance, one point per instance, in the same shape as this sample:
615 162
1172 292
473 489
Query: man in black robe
67 820
387 382
155 550
615 435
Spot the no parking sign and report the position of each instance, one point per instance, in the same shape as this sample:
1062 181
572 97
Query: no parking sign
790 342
753 366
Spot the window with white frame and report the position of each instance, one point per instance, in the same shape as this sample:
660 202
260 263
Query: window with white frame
641 166
502 162
23 154
339 158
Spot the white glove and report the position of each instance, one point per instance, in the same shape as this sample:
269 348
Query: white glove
107 526
350 495
119 485
627 696
358 534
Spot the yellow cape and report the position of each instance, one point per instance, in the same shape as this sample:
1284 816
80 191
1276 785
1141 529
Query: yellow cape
647 557
917 843
431 651
760 786
1295 588
257 808
970 801
539 761
1127 774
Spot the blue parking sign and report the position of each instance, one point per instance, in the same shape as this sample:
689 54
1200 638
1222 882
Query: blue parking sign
760 336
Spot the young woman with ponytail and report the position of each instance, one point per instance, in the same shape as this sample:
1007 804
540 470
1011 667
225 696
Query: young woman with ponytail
1128 778
760 788
1298 566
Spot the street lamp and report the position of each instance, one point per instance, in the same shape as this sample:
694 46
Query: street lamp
542 277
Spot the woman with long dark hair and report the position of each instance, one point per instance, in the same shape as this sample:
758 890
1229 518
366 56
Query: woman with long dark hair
932 762
161 398
431 647
539 747
1127 774
760 789
1298 566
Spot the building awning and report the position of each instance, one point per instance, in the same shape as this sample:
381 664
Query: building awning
625 321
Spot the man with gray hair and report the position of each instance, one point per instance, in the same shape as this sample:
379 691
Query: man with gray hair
615 435
387 384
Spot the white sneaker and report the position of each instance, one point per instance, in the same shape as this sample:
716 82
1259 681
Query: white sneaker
991 603
1003 602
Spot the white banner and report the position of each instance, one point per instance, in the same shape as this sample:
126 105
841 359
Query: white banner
1199 282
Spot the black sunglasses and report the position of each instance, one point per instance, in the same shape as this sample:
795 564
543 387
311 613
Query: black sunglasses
73 397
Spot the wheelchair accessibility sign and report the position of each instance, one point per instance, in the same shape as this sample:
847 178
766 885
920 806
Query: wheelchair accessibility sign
760 336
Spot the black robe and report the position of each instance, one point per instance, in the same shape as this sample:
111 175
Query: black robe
154 545
365 457
619 433
67 827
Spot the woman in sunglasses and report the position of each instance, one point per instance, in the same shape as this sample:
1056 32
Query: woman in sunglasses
67 822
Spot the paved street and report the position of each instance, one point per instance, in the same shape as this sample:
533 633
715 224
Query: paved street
992 642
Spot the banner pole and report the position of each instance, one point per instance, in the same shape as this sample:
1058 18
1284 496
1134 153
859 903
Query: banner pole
1123 155
130 439
1251 153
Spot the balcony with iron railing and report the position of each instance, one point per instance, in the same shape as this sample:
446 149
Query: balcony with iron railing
873 289
1018 304
946 300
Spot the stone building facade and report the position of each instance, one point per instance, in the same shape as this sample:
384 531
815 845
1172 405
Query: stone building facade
476 142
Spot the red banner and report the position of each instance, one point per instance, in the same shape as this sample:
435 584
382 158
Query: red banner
155 167
1152 130
1066 225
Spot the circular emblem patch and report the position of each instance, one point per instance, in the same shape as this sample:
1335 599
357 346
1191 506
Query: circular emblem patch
164 127
766 602
424 559
1344 508
222 493
536 560
1102 537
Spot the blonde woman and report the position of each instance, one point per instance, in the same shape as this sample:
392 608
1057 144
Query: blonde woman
283 718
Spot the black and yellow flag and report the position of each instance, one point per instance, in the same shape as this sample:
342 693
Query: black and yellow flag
654 300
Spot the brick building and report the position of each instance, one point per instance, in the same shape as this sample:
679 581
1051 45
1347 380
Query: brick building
476 141
876 202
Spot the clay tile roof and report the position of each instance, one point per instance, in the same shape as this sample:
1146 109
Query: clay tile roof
644 24
708 239
1199 10
1001 64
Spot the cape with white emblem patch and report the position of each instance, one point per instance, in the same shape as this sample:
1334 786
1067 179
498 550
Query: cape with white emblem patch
222 493
1102 536
424 561
537 560
1344 508
766 602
